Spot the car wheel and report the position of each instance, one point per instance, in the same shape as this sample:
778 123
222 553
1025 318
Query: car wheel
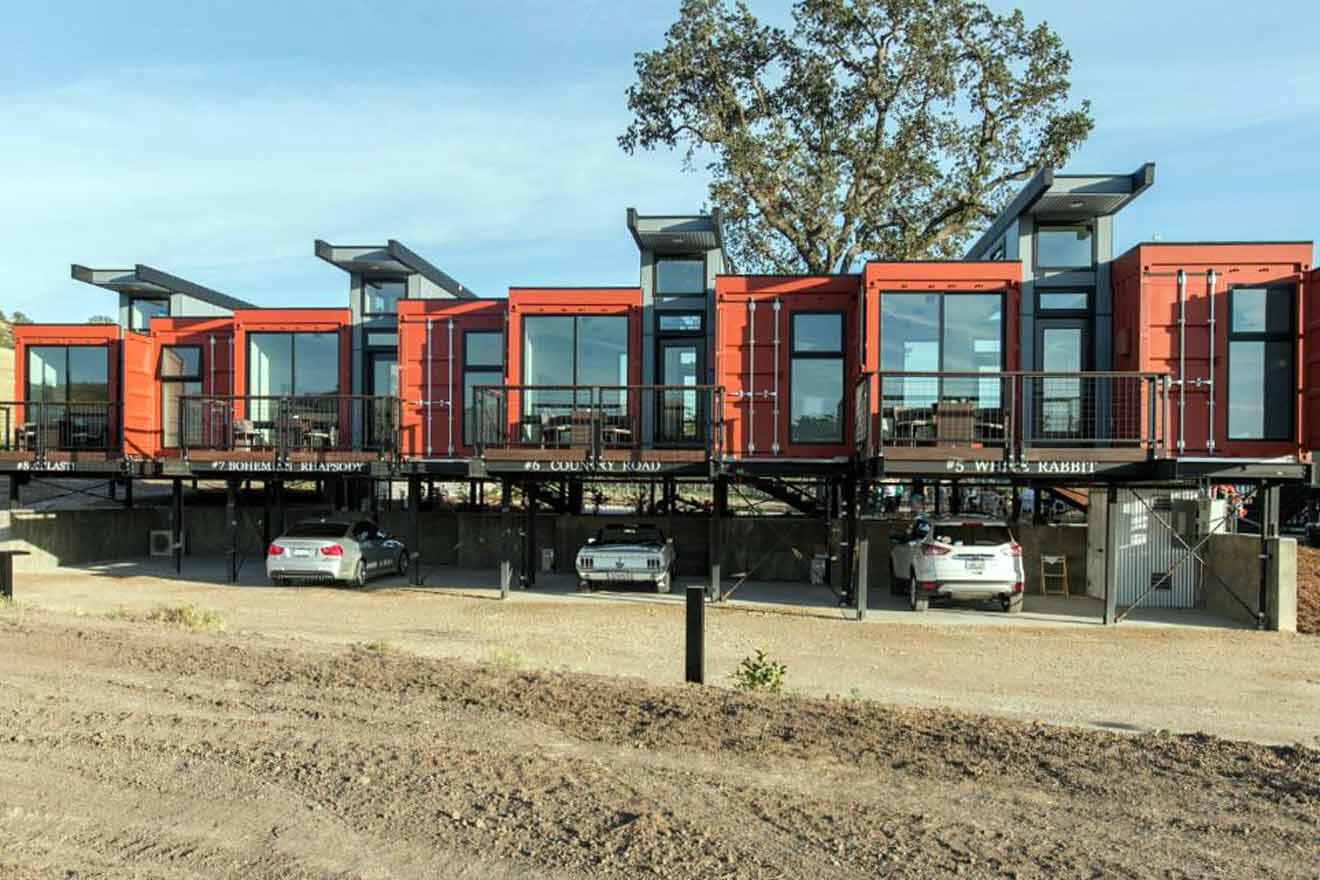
1012 605
401 566
584 586
918 602
359 575
278 582
662 584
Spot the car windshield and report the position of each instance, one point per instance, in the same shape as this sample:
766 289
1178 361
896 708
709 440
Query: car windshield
630 535
317 530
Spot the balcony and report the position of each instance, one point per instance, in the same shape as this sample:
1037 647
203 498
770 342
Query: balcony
1012 417
342 428
79 431
671 423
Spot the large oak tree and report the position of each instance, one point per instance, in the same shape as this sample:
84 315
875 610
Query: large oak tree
890 129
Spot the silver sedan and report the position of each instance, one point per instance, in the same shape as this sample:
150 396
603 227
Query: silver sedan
350 552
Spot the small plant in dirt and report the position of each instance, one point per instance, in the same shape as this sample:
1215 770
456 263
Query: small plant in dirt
380 646
186 617
759 673
119 613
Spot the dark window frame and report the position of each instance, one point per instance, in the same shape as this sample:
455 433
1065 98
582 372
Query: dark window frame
1062 224
1086 312
1266 336
27 374
661 314
840 355
478 369
195 379
362 290
701 257
293 361
153 299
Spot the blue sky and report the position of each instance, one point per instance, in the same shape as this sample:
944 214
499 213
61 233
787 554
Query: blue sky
216 141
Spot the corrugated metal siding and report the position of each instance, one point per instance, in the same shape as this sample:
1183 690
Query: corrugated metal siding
1147 549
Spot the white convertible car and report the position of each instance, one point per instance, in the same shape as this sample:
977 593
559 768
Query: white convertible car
960 558
629 554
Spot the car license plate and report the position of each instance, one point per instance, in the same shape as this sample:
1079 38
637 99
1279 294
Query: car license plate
974 566
303 553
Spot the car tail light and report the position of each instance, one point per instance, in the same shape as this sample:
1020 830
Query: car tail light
1017 587
274 550
935 550
332 550
929 585
1014 549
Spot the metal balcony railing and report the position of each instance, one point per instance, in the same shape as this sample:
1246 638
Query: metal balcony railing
593 419
285 425
42 428
1013 412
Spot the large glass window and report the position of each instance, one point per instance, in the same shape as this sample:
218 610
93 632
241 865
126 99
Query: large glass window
141 311
816 379
180 375
957 339
281 364
572 351
380 297
483 364
1065 246
680 275
68 374
1261 376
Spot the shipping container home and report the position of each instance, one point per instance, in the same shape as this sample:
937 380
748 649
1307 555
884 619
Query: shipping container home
1228 323
146 293
447 349
786 356
67 404
177 359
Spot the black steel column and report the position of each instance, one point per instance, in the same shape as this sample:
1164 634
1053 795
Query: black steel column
507 541
717 513
529 551
231 527
279 507
415 530
176 525
1269 528
6 575
1111 554
695 648
575 493
863 554
849 538
265 514
14 484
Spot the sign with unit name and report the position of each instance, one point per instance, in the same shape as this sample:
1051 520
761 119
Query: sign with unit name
50 467
270 466
1061 467
596 466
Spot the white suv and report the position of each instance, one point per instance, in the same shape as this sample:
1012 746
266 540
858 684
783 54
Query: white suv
961 558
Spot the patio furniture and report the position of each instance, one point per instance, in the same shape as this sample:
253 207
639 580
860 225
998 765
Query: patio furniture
246 434
954 423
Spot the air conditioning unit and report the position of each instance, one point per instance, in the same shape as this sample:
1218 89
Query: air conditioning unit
161 542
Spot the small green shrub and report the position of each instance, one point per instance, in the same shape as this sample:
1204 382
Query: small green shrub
759 673
186 617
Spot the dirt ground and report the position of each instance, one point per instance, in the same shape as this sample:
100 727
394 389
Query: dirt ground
1308 590
1136 677
136 749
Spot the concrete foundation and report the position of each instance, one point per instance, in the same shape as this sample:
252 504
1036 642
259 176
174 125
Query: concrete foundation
1235 559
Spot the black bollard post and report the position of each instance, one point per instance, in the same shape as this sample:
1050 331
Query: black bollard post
696 634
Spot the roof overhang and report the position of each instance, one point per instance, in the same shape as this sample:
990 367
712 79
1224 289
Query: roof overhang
1066 197
388 261
146 282
676 234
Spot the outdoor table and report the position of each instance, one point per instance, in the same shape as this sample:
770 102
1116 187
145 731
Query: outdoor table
7 572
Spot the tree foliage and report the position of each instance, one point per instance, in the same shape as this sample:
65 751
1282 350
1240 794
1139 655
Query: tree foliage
100 319
888 129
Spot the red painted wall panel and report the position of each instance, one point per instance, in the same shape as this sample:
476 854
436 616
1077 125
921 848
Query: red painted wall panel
427 430
757 383
1146 332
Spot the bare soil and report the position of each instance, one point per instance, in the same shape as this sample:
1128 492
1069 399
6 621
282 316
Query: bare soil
133 749
1308 590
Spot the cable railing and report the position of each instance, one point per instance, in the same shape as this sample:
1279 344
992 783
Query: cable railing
1011 412
282 425
40 428
597 419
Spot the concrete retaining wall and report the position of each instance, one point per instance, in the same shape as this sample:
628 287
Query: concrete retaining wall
1234 566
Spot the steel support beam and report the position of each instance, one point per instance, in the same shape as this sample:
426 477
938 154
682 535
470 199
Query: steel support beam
863 553
15 484
176 524
529 535
1111 554
128 493
266 536
695 653
718 511
507 541
415 530
1269 529
231 528
849 543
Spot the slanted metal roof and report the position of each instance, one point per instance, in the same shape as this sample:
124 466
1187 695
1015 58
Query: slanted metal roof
390 260
1066 197
676 234
144 281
